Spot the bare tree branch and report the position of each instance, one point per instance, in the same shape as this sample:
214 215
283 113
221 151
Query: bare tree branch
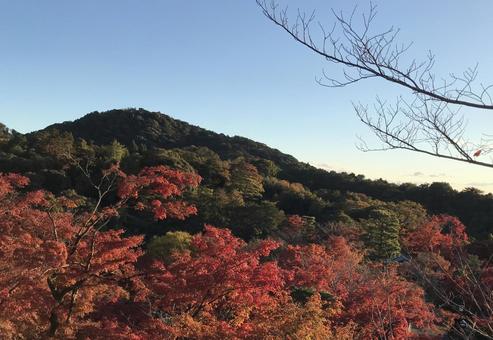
431 122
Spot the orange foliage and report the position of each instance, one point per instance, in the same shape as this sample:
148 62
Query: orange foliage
440 234
58 267
374 301
66 275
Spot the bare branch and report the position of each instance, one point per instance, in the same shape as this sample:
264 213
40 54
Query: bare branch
431 121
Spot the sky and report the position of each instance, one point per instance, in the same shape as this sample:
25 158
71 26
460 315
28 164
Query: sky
222 65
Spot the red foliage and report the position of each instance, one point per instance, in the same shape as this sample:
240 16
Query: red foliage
153 186
458 281
385 305
379 302
295 222
440 234
327 268
221 266
58 268
215 291
9 182
65 275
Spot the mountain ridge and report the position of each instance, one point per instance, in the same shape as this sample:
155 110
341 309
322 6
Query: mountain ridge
160 130
139 129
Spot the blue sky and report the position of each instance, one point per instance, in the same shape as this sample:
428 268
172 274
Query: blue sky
223 66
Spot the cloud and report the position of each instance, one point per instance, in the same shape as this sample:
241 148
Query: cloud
437 175
324 166
479 184
421 174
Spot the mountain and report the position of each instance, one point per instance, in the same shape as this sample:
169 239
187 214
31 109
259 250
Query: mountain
155 138
154 129
138 127
130 248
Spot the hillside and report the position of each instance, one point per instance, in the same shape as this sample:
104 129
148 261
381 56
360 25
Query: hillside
135 224
158 138
154 129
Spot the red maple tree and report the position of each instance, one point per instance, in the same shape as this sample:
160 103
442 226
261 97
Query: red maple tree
58 265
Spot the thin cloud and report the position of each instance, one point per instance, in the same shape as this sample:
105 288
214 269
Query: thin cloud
418 174
437 175
479 184
421 174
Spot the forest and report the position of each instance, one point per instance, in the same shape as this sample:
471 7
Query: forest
129 224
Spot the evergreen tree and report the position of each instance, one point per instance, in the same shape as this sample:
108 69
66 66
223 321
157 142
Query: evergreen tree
113 152
382 234
246 179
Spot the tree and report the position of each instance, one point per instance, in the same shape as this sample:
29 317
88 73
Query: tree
381 236
256 220
386 306
5 133
221 288
60 145
456 280
60 264
163 247
266 167
410 214
298 229
208 164
428 118
374 301
114 152
441 234
246 179
327 268
66 274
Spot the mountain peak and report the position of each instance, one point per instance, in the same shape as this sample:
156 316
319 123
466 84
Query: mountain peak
155 129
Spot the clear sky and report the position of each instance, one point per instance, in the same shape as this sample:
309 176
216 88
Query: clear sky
221 65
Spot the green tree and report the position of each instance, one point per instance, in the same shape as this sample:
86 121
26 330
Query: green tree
113 152
162 247
215 205
4 133
257 220
266 167
214 171
410 214
382 234
246 179
171 158
59 145
294 198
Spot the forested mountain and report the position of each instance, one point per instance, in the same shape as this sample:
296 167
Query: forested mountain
155 138
153 129
129 224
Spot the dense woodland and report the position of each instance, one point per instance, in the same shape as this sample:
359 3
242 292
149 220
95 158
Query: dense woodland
128 224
